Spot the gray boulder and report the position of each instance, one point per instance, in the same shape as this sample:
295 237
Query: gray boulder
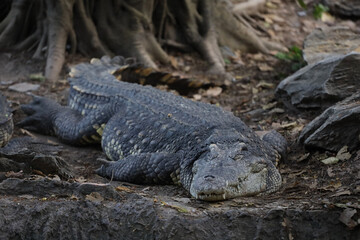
344 8
336 127
322 84
328 42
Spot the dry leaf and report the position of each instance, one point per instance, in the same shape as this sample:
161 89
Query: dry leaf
178 208
326 17
346 217
330 172
345 192
13 174
24 87
37 77
197 97
303 157
269 106
123 189
343 154
264 84
330 160
264 67
289 125
94 197
254 90
213 92
174 62
257 56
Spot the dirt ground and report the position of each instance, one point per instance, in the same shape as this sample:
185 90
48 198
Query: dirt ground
308 184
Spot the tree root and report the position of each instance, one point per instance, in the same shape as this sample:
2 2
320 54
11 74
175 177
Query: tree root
131 28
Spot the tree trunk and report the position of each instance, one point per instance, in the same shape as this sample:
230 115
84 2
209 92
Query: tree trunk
131 28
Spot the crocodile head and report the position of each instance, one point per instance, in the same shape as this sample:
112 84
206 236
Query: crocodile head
227 171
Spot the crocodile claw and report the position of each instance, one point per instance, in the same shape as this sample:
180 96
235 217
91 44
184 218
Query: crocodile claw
39 112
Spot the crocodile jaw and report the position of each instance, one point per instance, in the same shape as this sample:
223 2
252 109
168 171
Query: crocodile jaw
219 188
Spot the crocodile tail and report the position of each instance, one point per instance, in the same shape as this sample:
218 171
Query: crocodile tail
128 70
137 73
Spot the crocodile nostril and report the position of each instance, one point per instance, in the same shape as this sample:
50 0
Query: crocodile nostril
209 177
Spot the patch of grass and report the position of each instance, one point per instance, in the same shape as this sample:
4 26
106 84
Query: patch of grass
319 9
293 57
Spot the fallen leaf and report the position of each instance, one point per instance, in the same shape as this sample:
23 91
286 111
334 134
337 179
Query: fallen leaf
13 174
73 197
277 111
213 92
257 56
174 62
197 97
178 208
343 154
80 179
38 172
269 106
37 77
345 192
182 200
264 84
346 217
289 125
330 172
264 67
24 87
326 17
303 157
330 160
94 197
123 189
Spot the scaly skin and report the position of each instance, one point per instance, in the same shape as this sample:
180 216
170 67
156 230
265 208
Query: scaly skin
156 137
6 122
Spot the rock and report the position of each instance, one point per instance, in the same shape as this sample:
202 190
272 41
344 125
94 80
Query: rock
329 42
344 8
336 127
34 154
56 210
322 84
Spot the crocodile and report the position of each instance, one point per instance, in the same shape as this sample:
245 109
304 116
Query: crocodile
156 137
6 121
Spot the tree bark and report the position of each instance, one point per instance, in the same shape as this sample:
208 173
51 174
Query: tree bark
131 28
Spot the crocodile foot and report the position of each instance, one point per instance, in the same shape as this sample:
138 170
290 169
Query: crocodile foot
40 112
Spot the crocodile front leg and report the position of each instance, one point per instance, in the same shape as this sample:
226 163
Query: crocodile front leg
144 168
48 117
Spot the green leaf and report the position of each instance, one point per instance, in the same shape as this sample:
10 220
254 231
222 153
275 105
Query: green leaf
302 4
293 56
227 61
319 9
